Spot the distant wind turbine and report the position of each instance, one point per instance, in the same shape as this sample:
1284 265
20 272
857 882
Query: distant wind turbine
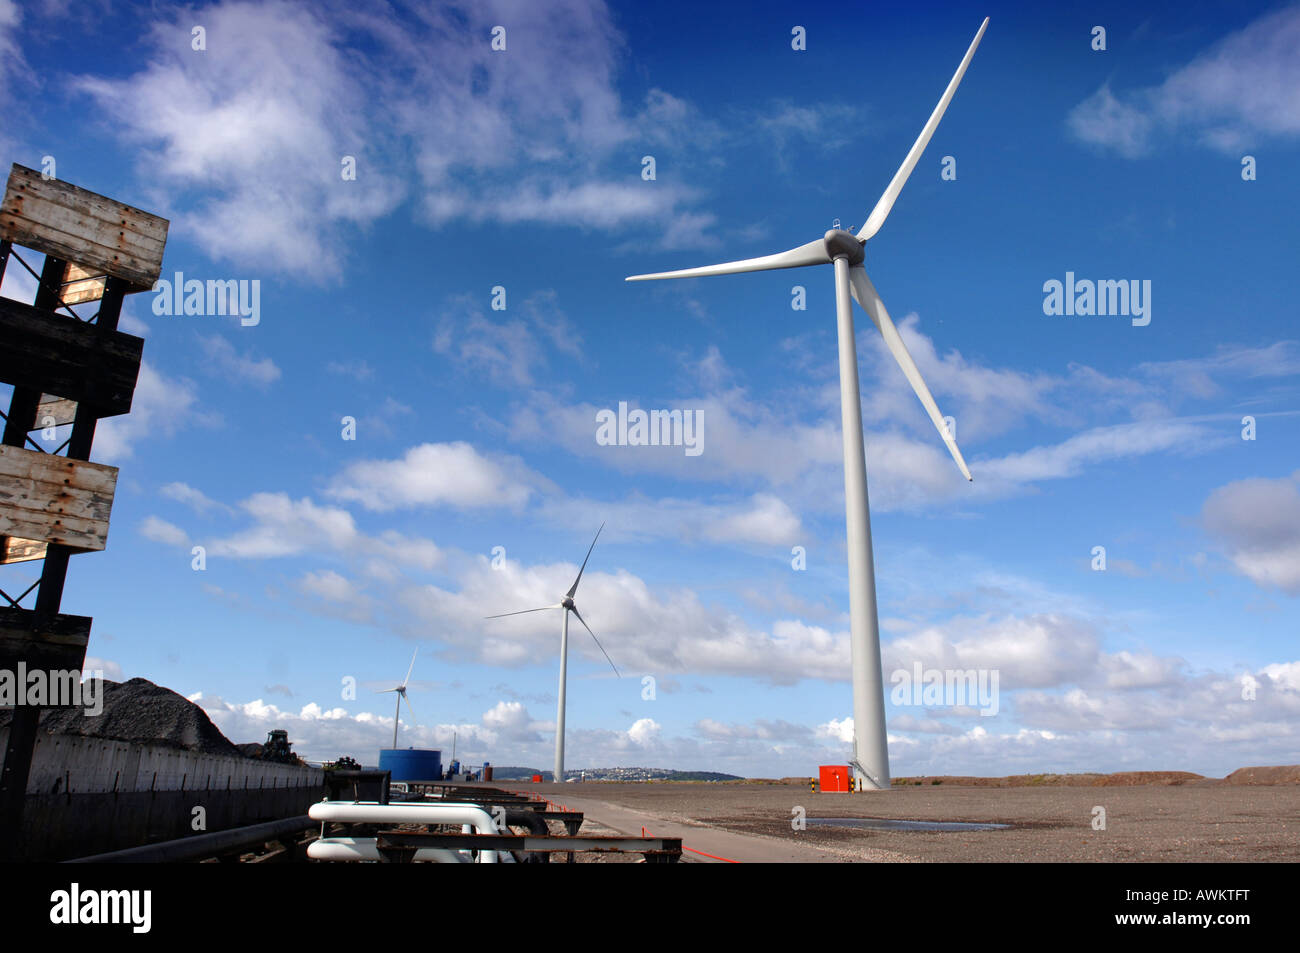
401 696
844 251
568 605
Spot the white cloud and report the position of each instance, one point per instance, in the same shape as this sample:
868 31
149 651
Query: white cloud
225 361
644 732
662 630
197 500
762 519
249 136
357 369
433 474
509 347
12 68
281 526
252 132
328 585
1103 120
287 527
161 407
1203 719
161 531
1258 522
1035 651
837 729
789 442
110 669
1241 92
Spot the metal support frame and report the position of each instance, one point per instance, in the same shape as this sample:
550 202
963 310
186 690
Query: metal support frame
400 846
19 421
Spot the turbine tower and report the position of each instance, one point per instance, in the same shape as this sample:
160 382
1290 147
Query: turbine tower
401 696
844 251
568 605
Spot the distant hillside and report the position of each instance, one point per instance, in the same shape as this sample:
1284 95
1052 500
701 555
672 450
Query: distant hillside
515 773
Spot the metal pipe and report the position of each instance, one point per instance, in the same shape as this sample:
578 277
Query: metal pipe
361 849
408 813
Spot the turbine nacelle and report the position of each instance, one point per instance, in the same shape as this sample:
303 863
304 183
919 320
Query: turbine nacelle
567 603
842 244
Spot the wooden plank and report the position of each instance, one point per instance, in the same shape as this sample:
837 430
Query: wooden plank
81 284
57 354
14 550
49 643
53 499
59 409
104 236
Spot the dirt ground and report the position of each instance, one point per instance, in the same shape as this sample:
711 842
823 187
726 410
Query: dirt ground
1197 821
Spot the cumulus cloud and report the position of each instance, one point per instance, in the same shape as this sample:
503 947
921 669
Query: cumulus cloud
432 474
1258 522
644 732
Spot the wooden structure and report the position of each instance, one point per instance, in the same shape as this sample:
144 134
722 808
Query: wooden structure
46 498
65 370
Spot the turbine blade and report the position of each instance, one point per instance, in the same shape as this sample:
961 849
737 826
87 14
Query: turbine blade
865 292
410 709
813 253
886 202
411 669
502 615
598 645
384 691
574 587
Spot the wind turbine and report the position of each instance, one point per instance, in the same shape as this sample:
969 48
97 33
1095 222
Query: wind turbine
401 696
568 605
844 251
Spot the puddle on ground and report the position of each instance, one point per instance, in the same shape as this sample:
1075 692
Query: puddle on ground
891 824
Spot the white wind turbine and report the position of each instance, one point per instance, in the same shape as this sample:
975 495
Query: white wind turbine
568 605
401 696
844 251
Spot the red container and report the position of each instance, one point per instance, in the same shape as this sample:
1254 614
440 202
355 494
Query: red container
835 779
537 779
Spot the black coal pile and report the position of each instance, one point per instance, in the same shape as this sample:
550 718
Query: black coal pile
139 711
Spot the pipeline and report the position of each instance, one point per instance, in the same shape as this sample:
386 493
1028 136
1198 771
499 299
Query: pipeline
400 813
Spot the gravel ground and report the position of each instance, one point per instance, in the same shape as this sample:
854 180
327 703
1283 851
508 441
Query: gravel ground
1204 821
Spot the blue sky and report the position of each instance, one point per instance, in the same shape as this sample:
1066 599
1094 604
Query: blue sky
329 559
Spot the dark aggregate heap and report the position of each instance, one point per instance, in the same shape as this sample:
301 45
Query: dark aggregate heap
139 711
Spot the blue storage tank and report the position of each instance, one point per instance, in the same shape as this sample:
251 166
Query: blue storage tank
411 764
